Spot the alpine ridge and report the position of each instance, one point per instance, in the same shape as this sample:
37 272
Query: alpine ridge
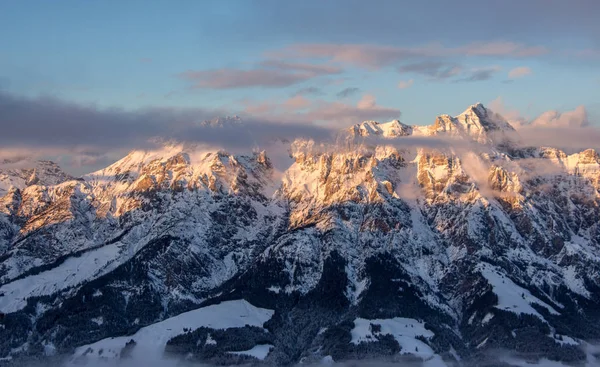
375 249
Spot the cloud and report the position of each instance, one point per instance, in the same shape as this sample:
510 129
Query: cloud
569 119
570 131
347 92
577 118
366 102
268 74
404 84
503 49
378 56
236 78
570 140
442 70
343 115
90 136
296 103
47 126
519 72
437 70
314 91
260 108
513 116
479 74
314 69
16 158
335 115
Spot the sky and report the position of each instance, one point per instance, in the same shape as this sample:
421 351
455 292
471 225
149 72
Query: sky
329 63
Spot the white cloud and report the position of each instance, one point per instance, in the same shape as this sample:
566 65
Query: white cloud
403 84
519 72
511 115
576 118
366 102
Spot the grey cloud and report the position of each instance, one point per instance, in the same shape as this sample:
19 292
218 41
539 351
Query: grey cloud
438 70
314 69
478 75
576 118
571 131
268 74
442 70
90 134
347 92
375 56
336 115
314 91
344 115
570 140
237 78
56 126
439 143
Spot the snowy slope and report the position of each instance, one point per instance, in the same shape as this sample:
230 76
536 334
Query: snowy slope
151 340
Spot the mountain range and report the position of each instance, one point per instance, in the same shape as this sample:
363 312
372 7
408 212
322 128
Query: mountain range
443 245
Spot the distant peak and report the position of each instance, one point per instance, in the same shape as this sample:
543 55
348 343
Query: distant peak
477 108
226 121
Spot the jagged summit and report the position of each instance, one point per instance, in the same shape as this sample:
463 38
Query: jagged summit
477 108
226 121
486 119
476 122
21 173
185 166
392 128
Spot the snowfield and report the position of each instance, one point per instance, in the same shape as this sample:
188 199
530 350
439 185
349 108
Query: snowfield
511 297
151 340
404 330
260 351
70 273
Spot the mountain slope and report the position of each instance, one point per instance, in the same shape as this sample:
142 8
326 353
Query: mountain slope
393 252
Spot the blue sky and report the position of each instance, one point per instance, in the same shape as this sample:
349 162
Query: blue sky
284 58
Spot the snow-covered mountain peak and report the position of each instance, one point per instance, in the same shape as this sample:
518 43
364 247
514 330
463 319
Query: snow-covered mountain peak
223 122
480 118
177 168
24 172
477 109
476 122
388 129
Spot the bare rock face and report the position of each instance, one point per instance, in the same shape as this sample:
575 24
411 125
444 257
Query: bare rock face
374 249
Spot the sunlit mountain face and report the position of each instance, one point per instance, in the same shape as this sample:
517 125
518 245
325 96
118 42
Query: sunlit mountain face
291 183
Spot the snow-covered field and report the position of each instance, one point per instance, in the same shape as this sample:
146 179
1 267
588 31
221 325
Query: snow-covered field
258 351
404 330
72 272
511 297
151 340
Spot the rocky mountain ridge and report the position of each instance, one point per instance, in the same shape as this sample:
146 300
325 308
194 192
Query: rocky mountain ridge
402 253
